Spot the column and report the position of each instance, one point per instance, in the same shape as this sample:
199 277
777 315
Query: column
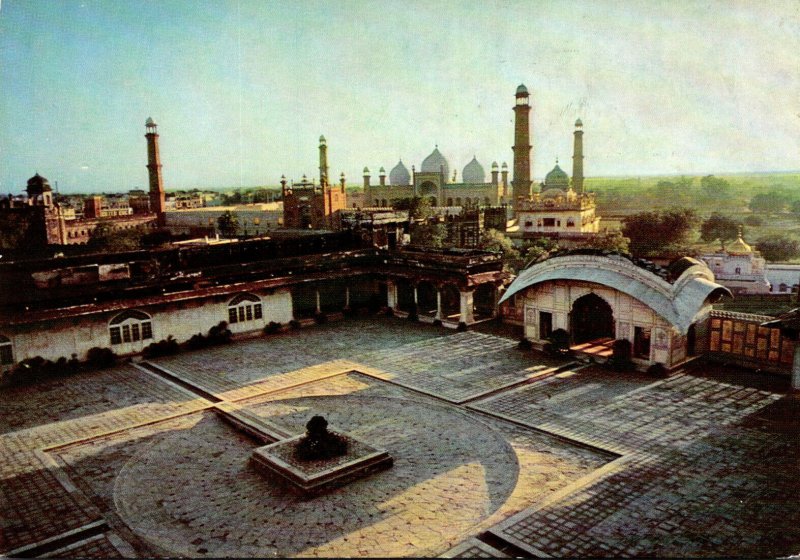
391 295
438 304
467 315
415 296
796 367
347 297
319 309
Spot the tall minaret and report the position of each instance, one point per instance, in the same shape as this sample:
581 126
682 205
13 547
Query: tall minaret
323 162
577 159
521 184
157 202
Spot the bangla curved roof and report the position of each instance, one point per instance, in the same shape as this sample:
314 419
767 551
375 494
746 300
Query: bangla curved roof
678 303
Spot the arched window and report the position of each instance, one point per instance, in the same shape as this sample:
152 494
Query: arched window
738 270
449 201
244 307
467 201
458 201
130 326
783 287
383 203
432 200
570 222
486 201
6 352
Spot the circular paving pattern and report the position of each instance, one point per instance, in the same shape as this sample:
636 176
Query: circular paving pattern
195 492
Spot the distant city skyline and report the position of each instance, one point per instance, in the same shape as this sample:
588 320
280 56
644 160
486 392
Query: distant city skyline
242 90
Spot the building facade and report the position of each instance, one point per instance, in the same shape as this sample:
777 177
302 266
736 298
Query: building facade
739 268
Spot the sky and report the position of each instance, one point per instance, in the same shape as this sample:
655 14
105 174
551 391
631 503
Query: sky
241 90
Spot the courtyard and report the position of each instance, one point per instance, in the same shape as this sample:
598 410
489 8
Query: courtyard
497 451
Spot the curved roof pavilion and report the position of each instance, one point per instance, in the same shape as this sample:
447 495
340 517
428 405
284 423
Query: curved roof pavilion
678 302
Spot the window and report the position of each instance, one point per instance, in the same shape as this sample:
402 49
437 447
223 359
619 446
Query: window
130 326
570 222
6 353
783 287
738 270
449 201
245 307
529 224
549 222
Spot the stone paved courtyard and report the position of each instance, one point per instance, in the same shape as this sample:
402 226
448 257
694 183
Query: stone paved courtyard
494 448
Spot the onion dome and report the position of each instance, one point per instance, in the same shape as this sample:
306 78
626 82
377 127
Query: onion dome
37 185
505 165
150 122
366 171
522 90
382 171
473 172
322 140
399 175
435 163
578 124
556 179
494 166
739 247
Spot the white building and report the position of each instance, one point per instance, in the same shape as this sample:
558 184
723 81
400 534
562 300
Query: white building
739 268
603 298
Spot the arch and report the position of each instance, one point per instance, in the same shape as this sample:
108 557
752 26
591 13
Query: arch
245 307
458 201
6 351
451 302
484 300
433 201
426 298
384 204
487 201
450 201
591 318
467 201
130 326
427 188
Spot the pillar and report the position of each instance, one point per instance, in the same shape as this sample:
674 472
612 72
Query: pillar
319 309
347 297
796 368
391 295
438 304
415 296
467 315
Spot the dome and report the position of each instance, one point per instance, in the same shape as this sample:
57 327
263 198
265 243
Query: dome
366 171
37 185
739 247
578 124
399 175
494 165
505 165
382 171
435 163
473 172
556 179
522 90
321 139
150 122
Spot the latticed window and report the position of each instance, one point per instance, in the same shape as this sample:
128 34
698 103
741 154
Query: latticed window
130 326
244 307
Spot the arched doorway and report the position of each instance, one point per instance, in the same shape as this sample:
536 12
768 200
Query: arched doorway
591 318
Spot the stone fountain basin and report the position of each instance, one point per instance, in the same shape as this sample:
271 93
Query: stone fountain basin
310 478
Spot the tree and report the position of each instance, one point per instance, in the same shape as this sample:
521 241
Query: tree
778 248
106 237
419 208
769 202
497 242
537 251
714 187
228 224
608 241
663 232
719 227
428 234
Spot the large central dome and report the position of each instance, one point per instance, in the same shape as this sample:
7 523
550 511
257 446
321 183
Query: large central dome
435 163
556 179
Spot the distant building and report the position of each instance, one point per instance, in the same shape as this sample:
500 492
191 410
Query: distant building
739 268
254 219
310 206
783 278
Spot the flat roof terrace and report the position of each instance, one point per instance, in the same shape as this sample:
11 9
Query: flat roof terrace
496 449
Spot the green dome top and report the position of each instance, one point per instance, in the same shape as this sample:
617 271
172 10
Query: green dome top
556 179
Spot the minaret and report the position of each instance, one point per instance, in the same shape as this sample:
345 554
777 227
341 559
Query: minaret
157 202
504 181
521 184
367 189
577 159
323 162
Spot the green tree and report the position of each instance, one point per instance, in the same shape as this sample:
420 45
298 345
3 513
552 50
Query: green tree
719 227
497 242
428 234
714 187
776 248
228 224
769 202
419 208
537 251
663 232
608 241
106 237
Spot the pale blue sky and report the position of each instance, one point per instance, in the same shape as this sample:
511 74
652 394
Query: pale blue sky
241 90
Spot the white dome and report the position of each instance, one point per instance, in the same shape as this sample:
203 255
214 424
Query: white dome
473 172
399 175
435 163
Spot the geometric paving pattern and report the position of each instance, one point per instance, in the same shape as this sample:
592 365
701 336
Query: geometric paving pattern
530 455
